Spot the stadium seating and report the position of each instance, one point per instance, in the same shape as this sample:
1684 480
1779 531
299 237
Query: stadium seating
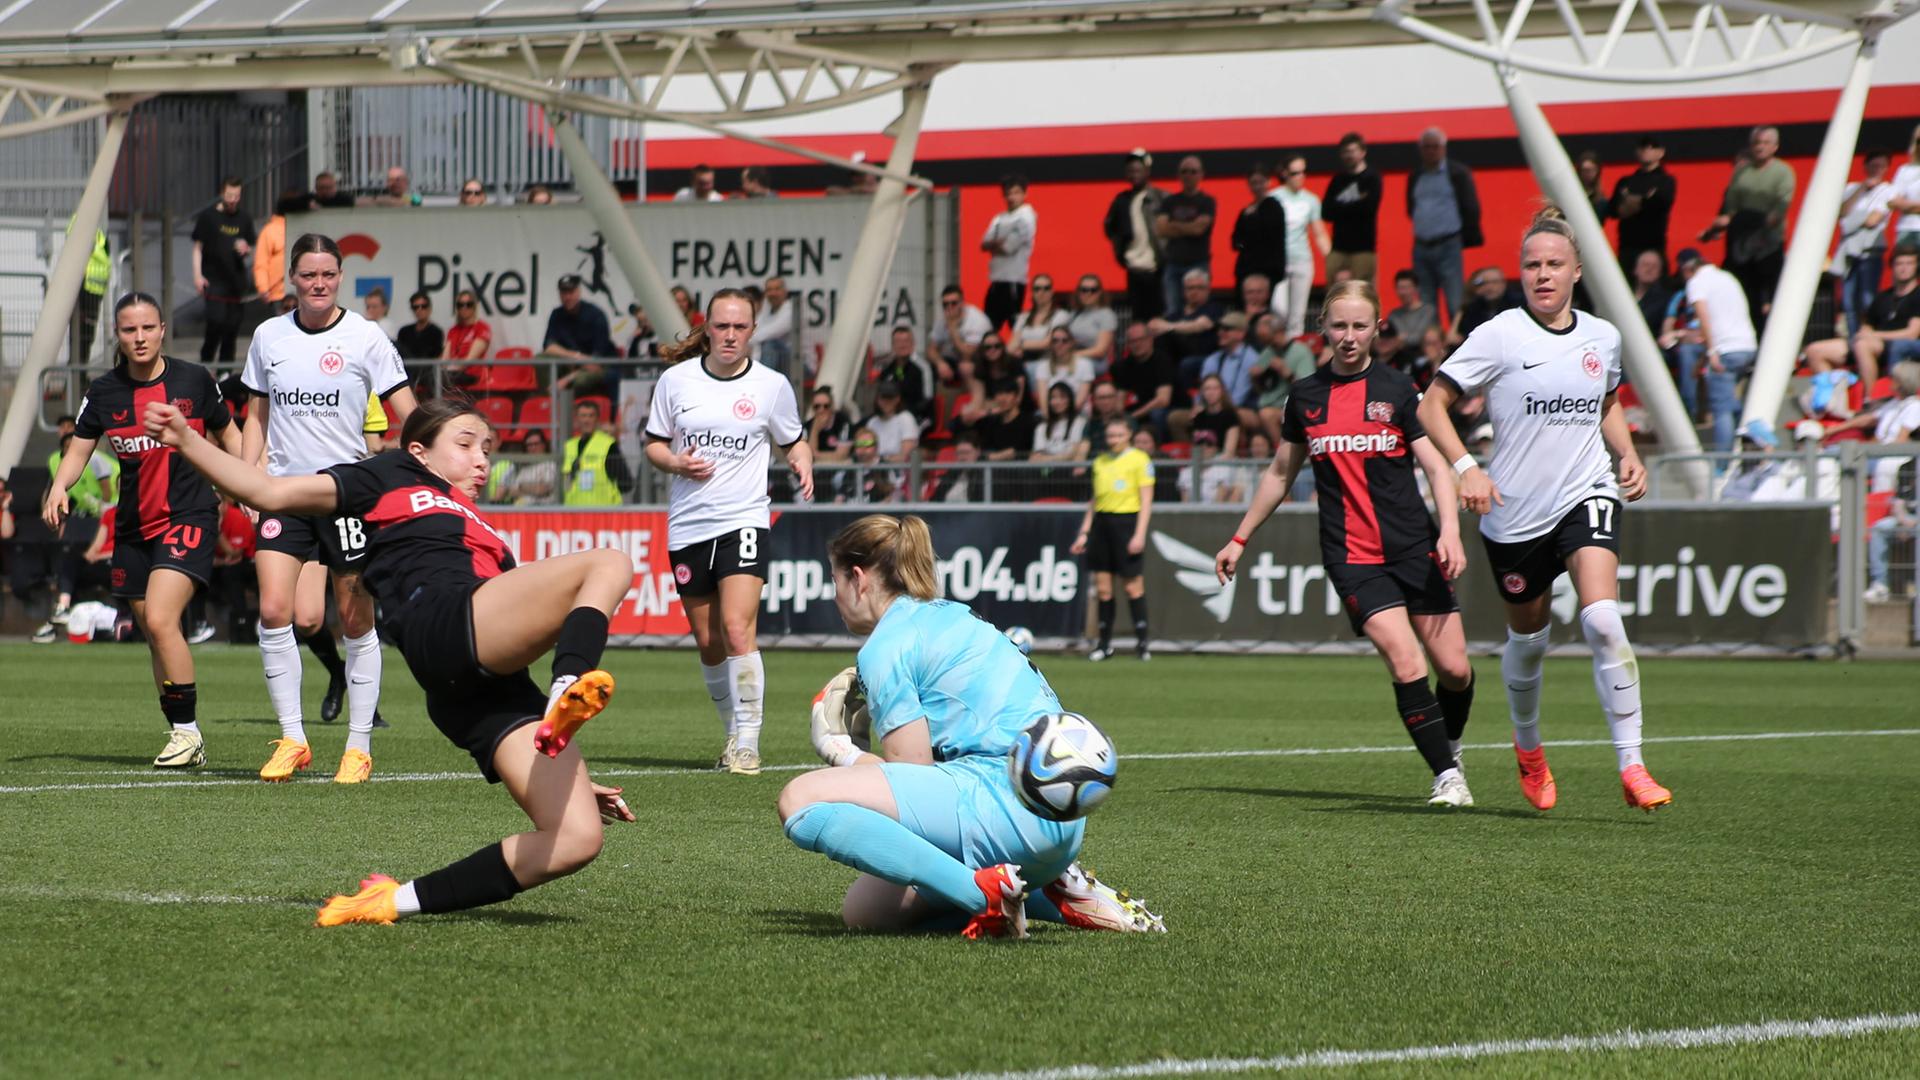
536 412
499 413
507 378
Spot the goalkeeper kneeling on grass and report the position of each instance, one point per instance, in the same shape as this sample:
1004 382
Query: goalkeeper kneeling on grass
932 818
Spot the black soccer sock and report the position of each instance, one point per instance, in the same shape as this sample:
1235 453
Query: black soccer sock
480 879
1456 704
583 637
1138 606
178 701
1106 622
1421 713
323 647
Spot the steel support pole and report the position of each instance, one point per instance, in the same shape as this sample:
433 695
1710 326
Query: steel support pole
1639 353
873 254
1812 235
63 288
622 236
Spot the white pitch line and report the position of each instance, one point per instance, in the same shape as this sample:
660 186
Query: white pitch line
118 896
190 781
1670 1039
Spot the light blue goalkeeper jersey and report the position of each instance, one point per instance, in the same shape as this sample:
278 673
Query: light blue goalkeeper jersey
939 660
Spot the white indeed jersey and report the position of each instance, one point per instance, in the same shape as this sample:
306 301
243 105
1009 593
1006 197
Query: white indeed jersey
1545 394
733 423
317 384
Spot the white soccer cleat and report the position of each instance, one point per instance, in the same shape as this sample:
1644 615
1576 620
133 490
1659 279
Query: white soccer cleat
184 750
725 764
744 761
1087 903
1450 790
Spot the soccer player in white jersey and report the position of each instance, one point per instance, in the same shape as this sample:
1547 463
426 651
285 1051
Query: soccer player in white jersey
310 373
712 427
1550 500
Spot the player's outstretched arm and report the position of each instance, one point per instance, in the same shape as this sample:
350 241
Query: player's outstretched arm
1274 484
1477 492
1619 436
270 494
1446 507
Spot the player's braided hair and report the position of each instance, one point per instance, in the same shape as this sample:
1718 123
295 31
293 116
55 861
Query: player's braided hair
1551 221
897 550
696 343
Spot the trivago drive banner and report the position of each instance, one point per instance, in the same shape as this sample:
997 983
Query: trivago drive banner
1013 569
1737 574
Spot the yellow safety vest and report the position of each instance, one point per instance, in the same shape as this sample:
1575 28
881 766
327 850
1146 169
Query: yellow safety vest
99 264
498 477
588 481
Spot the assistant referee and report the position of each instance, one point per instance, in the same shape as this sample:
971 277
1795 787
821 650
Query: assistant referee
1113 534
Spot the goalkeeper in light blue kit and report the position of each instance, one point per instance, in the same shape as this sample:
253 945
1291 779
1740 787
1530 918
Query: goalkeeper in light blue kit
932 817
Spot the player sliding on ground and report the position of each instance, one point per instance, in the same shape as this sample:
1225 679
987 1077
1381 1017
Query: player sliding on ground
933 819
168 520
468 622
1550 501
1358 420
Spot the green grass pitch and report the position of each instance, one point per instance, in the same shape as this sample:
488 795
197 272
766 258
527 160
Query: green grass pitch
1314 901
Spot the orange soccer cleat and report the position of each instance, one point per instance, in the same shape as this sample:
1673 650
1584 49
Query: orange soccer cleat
288 757
356 766
1006 914
1536 780
372 904
571 706
1642 792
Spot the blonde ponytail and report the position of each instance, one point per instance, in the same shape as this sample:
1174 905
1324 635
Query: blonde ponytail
898 551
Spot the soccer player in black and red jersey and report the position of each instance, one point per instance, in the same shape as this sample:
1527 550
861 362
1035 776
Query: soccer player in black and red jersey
1358 419
468 623
168 518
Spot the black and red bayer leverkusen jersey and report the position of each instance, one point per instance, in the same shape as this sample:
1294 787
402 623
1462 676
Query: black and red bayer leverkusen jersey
423 532
1359 430
157 486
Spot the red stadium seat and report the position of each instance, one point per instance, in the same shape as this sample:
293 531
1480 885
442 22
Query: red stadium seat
537 412
1052 499
498 411
514 352
1882 391
1179 451
505 378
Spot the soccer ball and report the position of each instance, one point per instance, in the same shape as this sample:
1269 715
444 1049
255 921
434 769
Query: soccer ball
1062 767
1022 638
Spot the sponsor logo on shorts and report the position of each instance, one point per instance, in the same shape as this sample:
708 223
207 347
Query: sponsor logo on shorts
1590 363
1353 604
744 408
270 529
120 417
331 362
1513 583
682 573
1379 412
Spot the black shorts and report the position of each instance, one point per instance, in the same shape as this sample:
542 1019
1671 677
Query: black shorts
339 542
1524 569
472 707
1415 583
186 545
698 568
1107 546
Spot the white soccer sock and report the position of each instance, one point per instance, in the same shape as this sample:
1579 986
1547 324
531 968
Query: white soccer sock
193 727
406 901
363 689
280 656
749 680
720 688
1520 667
1616 677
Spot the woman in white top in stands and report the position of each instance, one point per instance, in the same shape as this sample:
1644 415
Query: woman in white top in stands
1550 501
897 429
1062 364
1062 432
1027 337
712 427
